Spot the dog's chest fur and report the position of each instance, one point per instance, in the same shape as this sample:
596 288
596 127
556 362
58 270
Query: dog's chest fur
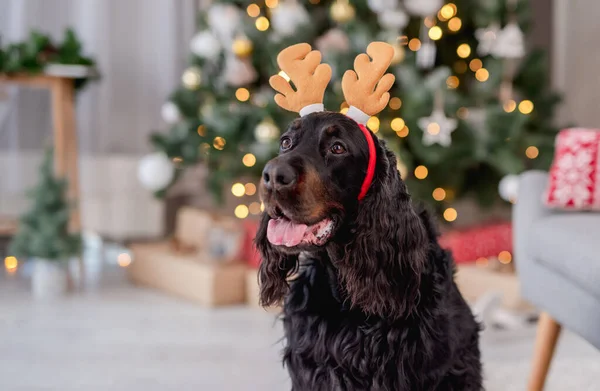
332 347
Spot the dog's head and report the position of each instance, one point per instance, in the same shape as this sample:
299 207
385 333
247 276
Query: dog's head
314 182
311 196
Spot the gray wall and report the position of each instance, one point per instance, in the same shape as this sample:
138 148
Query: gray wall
576 60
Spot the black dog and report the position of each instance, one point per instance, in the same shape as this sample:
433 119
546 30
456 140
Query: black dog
369 297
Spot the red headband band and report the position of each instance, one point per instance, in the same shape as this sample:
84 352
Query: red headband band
371 166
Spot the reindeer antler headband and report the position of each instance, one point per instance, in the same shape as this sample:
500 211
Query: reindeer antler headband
365 88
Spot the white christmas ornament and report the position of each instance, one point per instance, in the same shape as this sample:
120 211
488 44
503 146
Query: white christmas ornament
287 17
205 45
508 188
426 55
437 128
170 113
239 71
334 40
155 171
224 19
266 131
510 42
380 6
395 19
487 39
423 8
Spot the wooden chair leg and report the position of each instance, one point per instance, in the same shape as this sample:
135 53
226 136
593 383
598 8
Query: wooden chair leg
547 335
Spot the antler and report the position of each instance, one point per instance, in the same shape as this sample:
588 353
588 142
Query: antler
309 76
367 88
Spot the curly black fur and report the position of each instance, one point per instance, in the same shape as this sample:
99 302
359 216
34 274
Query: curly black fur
377 307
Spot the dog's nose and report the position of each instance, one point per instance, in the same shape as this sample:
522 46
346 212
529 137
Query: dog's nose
279 176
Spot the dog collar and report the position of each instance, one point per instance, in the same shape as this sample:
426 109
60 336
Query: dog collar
371 165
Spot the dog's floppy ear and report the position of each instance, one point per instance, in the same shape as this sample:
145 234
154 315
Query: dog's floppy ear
382 265
275 267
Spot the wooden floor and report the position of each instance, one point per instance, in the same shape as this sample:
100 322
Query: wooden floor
119 337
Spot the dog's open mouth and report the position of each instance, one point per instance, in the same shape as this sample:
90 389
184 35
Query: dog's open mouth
284 232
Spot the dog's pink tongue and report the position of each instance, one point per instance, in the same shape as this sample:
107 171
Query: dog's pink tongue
284 232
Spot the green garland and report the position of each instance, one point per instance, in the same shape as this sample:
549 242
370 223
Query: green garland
38 51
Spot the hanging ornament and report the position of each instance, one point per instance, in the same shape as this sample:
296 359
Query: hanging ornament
334 40
288 16
191 78
427 52
205 45
239 72
155 171
382 6
170 113
487 38
437 128
510 42
508 188
394 19
242 46
266 131
342 11
426 55
224 19
423 8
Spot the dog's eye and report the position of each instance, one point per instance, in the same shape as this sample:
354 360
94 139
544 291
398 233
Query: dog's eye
286 143
337 149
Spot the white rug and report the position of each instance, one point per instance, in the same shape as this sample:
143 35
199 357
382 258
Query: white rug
126 338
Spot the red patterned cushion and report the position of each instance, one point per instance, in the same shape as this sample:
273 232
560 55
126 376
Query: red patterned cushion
575 173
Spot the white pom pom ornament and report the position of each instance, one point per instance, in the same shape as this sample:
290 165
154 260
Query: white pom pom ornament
287 17
205 45
170 113
380 6
423 8
508 188
155 171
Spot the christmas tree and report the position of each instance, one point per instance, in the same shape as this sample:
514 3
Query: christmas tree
43 231
469 107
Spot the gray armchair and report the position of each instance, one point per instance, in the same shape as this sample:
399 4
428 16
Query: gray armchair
558 263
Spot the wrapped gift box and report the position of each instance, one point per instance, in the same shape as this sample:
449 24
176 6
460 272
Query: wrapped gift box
200 262
468 245
187 275
249 253
192 227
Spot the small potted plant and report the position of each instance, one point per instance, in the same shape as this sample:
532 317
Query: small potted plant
67 59
43 234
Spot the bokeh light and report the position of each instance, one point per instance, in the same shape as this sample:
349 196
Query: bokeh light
439 194
241 211
238 189
450 214
249 160
463 50
421 172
